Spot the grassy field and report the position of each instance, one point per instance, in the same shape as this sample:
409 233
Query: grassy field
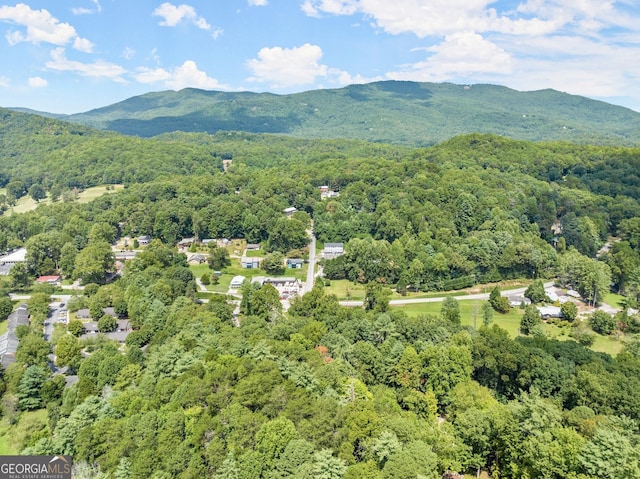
3 326
345 290
30 426
26 203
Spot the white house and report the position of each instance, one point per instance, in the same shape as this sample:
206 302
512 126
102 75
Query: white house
236 282
331 250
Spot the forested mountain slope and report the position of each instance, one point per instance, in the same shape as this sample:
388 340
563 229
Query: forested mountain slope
408 113
323 391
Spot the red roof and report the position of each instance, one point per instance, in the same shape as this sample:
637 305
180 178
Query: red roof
48 279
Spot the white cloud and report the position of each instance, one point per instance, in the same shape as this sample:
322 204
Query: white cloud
4 82
184 76
37 82
443 17
216 33
173 15
40 26
332 7
460 55
88 11
98 69
258 3
287 67
83 45
128 53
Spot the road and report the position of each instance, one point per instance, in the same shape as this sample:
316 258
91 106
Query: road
483 296
311 272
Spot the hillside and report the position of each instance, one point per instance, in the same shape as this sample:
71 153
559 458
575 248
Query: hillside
407 113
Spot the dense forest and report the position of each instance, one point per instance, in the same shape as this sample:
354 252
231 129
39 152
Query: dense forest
322 390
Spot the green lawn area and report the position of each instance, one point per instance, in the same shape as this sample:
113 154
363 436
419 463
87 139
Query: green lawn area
30 425
26 203
510 322
613 299
468 310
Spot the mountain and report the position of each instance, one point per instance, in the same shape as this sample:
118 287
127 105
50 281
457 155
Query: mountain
397 112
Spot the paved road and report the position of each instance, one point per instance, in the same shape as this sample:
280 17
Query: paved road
311 272
484 296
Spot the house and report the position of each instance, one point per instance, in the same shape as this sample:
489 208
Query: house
286 285
197 258
253 247
54 279
250 263
9 341
236 282
325 193
9 260
184 243
289 211
90 327
144 240
516 301
294 263
573 294
552 295
550 312
333 250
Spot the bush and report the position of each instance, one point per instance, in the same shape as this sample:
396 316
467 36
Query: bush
602 322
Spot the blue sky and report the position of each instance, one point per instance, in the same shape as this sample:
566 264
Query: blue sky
70 56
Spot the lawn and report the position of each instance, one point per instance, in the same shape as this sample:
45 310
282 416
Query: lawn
26 203
29 426
3 326
468 311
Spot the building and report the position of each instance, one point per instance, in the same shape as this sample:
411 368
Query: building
253 247
54 279
197 258
250 263
516 301
9 260
550 312
285 285
144 240
333 250
236 282
294 263
9 341
289 211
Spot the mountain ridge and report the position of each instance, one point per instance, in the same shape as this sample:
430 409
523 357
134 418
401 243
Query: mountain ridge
396 112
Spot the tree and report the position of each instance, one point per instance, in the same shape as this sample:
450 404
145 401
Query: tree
325 466
602 322
37 192
75 327
107 324
33 350
530 320
376 297
535 292
205 279
6 307
93 262
450 310
30 386
218 257
569 311
499 302
487 313
273 263
68 352
20 276
286 234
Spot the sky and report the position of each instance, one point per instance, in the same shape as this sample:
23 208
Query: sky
71 56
